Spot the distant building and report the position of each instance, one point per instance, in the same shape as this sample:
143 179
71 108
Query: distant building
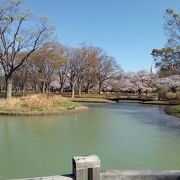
153 68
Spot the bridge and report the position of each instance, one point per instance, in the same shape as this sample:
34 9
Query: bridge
89 168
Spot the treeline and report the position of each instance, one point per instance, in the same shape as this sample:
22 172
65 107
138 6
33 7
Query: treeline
31 61
54 67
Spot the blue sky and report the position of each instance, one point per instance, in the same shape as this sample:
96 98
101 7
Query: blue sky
127 29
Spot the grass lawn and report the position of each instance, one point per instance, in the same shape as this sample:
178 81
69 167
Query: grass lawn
175 109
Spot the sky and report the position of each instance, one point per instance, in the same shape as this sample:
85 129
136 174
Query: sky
127 29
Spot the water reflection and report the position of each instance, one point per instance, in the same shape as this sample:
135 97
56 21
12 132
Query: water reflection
124 135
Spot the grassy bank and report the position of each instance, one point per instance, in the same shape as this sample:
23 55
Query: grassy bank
169 102
173 110
92 100
38 104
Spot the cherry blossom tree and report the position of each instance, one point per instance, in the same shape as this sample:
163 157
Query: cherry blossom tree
170 82
138 82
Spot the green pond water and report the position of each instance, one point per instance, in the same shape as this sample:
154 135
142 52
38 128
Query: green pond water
124 135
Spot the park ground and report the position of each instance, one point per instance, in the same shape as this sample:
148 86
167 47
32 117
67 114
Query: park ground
47 104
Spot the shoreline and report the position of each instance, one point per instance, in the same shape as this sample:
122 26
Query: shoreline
168 106
160 102
43 113
155 103
168 111
92 100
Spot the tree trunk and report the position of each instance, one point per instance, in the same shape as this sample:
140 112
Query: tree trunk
43 87
48 88
100 85
61 90
87 88
79 89
37 88
1 87
72 90
23 91
61 87
8 87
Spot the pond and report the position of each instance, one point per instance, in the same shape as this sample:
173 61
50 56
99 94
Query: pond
124 135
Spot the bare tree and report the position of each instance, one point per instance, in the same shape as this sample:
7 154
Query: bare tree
19 32
20 78
62 76
107 68
2 79
63 71
75 66
44 62
89 63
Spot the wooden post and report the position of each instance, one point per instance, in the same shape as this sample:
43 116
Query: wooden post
90 163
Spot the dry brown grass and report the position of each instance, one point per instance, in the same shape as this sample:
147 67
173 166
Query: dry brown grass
37 102
10 104
170 95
